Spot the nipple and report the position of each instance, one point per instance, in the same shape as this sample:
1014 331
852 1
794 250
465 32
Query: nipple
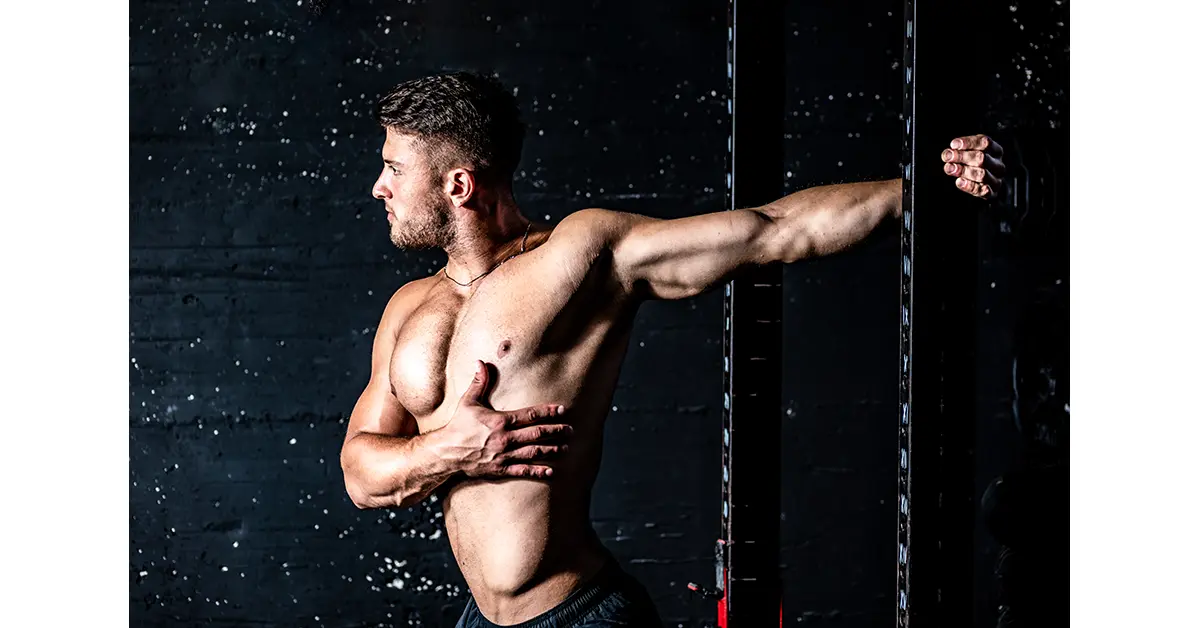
505 347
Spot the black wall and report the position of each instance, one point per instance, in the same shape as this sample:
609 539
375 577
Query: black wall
260 266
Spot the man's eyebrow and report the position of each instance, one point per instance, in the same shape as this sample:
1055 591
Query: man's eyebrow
392 163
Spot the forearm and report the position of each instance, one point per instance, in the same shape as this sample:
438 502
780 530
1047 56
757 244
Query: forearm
823 220
384 471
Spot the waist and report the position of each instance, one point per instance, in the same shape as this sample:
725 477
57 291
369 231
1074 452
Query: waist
520 542
589 589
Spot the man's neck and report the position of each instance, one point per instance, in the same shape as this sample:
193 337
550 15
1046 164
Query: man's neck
487 241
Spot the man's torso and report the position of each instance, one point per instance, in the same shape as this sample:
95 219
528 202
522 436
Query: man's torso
555 326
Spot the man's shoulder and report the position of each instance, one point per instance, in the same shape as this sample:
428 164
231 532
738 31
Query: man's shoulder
598 215
415 288
406 298
595 224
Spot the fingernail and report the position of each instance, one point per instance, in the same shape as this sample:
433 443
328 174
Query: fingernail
949 168
962 183
947 155
956 144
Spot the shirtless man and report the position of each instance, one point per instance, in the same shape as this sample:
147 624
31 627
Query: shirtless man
490 380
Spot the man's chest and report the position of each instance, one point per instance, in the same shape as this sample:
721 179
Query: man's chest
519 318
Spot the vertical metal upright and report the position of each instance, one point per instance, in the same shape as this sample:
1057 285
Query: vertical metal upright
751 592
935 460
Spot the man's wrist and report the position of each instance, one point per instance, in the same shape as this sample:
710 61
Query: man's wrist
895 191
446 459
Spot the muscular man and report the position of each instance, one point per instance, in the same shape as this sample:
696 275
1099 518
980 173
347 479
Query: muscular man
491 380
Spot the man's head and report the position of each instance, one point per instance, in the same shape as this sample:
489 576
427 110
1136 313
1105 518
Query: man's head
453 140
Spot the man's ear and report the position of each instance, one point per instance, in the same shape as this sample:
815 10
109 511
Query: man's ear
460 186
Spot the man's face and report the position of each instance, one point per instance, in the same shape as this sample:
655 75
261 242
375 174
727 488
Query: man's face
419 213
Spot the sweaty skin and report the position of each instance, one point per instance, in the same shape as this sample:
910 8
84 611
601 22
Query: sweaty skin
553 325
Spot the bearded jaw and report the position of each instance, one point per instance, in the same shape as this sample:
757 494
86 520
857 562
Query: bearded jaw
431 227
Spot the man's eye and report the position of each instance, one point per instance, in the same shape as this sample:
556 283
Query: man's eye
394 170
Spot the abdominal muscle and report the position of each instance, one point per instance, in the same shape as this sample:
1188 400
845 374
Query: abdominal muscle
524 545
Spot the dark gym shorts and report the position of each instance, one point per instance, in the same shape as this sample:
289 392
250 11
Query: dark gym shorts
610 598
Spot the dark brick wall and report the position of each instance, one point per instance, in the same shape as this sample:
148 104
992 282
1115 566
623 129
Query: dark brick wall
259 267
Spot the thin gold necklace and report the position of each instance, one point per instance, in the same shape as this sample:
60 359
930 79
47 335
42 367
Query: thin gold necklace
523 240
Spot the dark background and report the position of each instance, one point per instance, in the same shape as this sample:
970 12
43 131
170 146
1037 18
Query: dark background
259 267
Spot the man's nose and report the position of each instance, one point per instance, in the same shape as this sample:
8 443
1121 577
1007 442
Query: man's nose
379 191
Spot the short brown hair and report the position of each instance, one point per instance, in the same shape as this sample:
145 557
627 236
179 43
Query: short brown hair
473 116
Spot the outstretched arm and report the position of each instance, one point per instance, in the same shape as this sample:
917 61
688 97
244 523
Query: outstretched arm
675 259
680 258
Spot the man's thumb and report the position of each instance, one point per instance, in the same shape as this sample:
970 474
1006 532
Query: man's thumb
478 388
